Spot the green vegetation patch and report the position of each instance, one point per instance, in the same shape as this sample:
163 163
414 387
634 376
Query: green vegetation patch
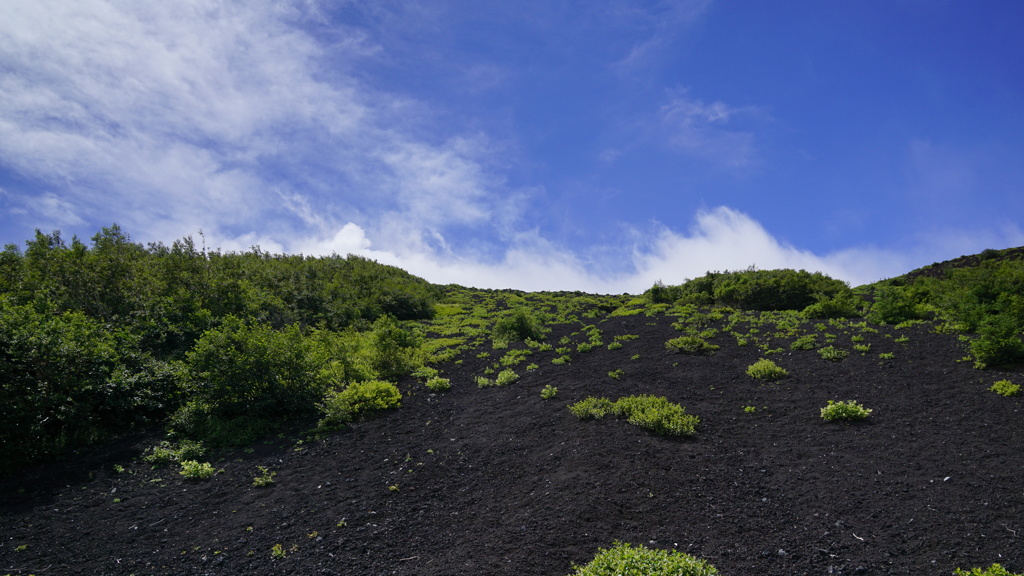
622 559
832 354
356 400
652 413
993 570
693 345
765 369
1006 388
848 411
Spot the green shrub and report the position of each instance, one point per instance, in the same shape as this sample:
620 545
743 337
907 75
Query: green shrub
617 374
624 560
765 369
194 470
848 410
894 305
993 570
807 342
832 354
356 400
239 369
438 384
615 345
165 452
842 305
592 408
657 415
506 377
560 360
994 350
1005 388
548 392
520 324
694 345
485 382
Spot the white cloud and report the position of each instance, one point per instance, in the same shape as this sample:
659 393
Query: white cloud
721 239
702 130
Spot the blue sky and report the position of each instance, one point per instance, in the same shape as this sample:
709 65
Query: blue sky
541 145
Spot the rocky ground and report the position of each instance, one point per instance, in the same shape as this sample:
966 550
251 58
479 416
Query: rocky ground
500 481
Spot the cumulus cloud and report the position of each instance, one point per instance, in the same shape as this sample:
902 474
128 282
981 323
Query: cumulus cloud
720 239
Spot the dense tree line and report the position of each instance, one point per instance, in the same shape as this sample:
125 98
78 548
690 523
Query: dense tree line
97 339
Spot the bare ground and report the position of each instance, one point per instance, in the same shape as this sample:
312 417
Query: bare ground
499 481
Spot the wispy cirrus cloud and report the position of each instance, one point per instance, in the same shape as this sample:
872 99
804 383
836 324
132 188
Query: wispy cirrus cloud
708 130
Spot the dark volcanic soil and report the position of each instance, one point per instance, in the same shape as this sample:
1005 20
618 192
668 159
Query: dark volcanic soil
500 481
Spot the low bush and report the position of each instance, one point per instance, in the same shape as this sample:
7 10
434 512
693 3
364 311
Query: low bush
194 470
622 559
548 392
438 384
694 345
356 400
592 408
520 324
807 342
845 410
657 415
832 354
506 377
652 413
1005 388
765 369
993 570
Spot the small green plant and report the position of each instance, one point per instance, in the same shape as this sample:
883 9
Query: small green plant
194 470
584 347
804 343
615 345
393 488
694 345
118 469
264 478
548 392
506 377
485 382
844 410
1005 388
617 374
993 570
765 369
634 357
21 548
832 354
438 384
592 408
750 409
622 559
530 367
903 339
862 348
857 338
277 552
886 355
561 360
424 373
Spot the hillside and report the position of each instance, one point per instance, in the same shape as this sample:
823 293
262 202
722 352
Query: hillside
498 480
